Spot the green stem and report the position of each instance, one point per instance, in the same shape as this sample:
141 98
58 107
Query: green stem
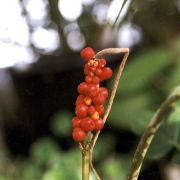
85 164
149 133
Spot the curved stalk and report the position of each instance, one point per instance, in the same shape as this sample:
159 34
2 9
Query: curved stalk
107 52
149 133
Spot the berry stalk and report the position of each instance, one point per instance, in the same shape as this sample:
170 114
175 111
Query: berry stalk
85 164
107 52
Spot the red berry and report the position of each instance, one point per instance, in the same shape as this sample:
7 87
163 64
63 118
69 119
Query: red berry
90 74
78 134
102 63
98 71
99 109
82 88
91 110
87 53
87 69
93 69
81 110
76 122
106 73
103 91
99 99
80 99
91 90
98 124
95 80
87 124
88 79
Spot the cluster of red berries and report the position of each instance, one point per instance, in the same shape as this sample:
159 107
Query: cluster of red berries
90 102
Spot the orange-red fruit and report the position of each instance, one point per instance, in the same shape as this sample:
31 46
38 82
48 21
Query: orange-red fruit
103 91
87 53
99 99
90 74
88 79
87 124
87 69
98 124
81 110
93 69
78 134
98 71
82 88
102 63
95 80
91 90
106 73
91 110
80 99
76 122
99 109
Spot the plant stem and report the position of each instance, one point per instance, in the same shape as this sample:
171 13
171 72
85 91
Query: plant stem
149 133
106 52
85 164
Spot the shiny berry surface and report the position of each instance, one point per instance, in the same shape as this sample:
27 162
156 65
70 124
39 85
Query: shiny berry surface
82 88
87 124
98 124
80 99
99 109
103 91
81 110
91 110
76 122
106 73
91 90
99 99
78 134
87 53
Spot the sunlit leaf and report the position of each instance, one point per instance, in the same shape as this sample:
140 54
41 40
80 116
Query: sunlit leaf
160 145
125 112
141 69
141 122
173 79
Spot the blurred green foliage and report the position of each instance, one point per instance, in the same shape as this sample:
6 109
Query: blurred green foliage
60 124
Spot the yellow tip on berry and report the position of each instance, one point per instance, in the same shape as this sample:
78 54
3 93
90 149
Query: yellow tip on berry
88 101
91 62
95 116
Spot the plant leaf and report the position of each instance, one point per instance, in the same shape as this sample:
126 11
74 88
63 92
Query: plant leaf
176 158
127 111
142 69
